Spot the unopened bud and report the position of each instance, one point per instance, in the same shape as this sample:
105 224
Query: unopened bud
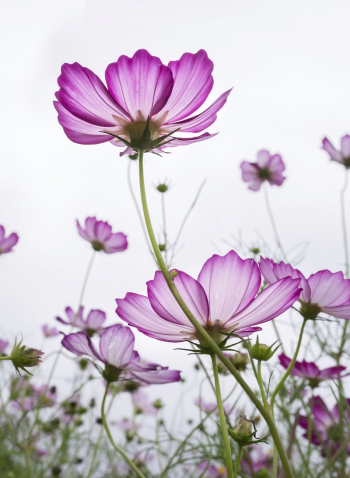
23 356
262 352
158 404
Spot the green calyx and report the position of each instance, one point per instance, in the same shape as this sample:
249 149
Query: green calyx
97 246
309 311
346 162
111 373
245 433
263 352
143 136
264 174
23 356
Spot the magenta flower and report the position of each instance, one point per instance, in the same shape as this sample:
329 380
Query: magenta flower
223 299
138 88
7 243
101 237
142 404
92 324
342 156
117 353
326 425
267 168
309 371
324 291
209 407
50 331
256 460
211 471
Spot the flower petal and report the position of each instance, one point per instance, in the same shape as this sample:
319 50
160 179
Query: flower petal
80 344
158 376
263 158
192 84
2 233
270 303
117 345
230 283
186 141
136 310
345 146
95 319
141 84
273 271
202 121
329 289
9 242
332 372
116 243
165 305
333 153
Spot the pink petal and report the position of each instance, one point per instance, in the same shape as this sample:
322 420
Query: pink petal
276 179
186 141
90 228
270 303
276 164
329 289
255 185
263 158
9 242
117 345
158 376
84 95
202 121
141 84
95 319
116 243
165 305
345 146
80 344
333 153
338 311
192 84
80 131
2 233
82 232
103 231
250 171
273 271
332 372
230 283
136 310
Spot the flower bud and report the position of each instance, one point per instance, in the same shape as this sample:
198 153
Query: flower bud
162 188
133 156
23 356
162 247
244 433
158 404
262 352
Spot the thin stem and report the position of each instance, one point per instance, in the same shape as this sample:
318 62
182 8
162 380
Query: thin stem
115 446
273 224
343 222
164 229
202 332
291 365
261 386
238 461
5 358
224 431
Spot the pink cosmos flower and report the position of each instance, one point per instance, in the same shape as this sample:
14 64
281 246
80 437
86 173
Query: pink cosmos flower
268 167
223 299
3 345
310 371
142 404
117 353
326 425
50 331
7 243
324 291
92 324
211 471
209 407
101 237
126 425
342 156
26 396
138 88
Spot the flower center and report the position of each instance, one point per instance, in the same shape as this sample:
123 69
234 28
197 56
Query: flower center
264 174
346 162
97 245
309 311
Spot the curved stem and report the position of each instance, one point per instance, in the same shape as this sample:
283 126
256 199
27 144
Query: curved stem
273 224
225 436
238 461
202 332
291 365
115 446
343 222
164 229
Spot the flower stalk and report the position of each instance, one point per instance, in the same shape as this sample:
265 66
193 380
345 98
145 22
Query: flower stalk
202 333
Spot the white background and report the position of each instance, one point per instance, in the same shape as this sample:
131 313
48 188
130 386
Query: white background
289 65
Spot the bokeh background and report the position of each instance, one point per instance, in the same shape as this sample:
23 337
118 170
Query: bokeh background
289 65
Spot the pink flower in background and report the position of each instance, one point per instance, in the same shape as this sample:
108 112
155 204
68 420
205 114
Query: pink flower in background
7 243
101 237
92 324
3 345
326 425
268 168
310 371
126 425
138 88
224 298
211 471
256 460
117 353
50 331
211 406
341 156
142 404
324 291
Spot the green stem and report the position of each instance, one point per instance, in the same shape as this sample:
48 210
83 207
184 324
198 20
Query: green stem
115 446
238 461
261 386
202 332
224 431
273 224
8 357
289 369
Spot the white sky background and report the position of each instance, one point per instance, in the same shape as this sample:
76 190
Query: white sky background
289 65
